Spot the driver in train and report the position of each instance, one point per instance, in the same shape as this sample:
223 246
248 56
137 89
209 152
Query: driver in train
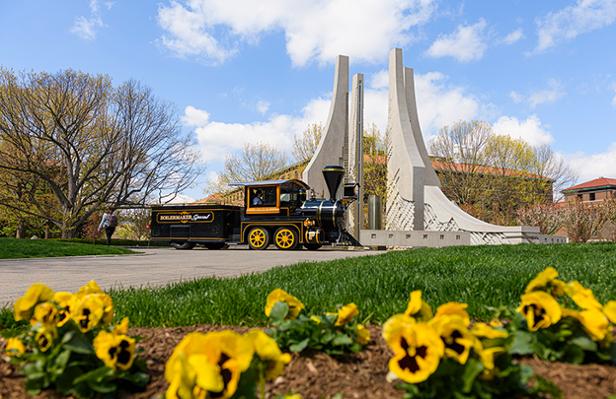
257 198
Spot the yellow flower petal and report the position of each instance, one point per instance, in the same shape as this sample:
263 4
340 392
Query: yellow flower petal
14 347
454 309
363 334
24 306
268 351
279 295
346 314
610 311
484 330
417 307
542 280
582 296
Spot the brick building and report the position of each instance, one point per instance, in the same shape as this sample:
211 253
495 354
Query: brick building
598 189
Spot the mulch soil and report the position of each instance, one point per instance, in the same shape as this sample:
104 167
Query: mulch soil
320 376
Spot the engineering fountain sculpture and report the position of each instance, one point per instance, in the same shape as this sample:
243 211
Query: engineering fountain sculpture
418 213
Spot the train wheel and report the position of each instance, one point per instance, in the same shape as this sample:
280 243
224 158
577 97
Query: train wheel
285 238
312 247
258 238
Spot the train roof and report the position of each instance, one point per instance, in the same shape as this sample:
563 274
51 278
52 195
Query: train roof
270 183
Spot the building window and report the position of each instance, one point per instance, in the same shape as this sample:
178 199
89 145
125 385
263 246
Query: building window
592 196
580 197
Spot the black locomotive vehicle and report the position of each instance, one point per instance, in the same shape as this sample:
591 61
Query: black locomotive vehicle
274 212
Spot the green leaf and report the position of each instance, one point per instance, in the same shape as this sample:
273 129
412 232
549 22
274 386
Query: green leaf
585 343
279 311
300 346
472 369
522 343
78 343
95 375
342 339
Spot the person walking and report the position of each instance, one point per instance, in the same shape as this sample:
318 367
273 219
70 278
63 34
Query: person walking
109 222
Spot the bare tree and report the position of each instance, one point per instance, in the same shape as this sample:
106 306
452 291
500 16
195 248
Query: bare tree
89 144
584 220
460 149
306 143
548 217
254 162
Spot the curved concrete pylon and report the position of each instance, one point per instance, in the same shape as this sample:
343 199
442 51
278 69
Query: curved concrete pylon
414 190
405 165
332 149
355 172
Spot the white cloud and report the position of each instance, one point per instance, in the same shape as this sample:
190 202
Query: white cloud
591 166
439 104
262 106
514 36
516 97
550 94
553 92
568 23
86 27
529 130
320 29
466 44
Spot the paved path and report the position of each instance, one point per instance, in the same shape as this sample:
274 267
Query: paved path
154 267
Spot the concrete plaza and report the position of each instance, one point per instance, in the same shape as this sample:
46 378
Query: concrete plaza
151 268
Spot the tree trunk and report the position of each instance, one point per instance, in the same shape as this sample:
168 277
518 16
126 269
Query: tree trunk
47 231
19 231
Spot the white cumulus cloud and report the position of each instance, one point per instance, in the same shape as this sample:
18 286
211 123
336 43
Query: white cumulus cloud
319 29
529 130
439 103
514 36
86 26
591 166
553 92
567 23
263 106
467 43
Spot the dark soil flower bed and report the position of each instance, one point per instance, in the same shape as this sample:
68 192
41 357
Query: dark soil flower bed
320 376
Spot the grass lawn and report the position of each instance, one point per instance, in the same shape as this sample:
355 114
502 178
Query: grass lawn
11 248
379 285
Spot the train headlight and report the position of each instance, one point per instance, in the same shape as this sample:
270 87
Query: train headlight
309 223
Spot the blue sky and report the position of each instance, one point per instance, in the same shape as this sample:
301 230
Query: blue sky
241 71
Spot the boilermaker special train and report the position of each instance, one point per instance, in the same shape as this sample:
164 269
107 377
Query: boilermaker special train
274 211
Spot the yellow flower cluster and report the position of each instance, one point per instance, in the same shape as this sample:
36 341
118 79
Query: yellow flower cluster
420 340
279 295
541 307
89 308
210 365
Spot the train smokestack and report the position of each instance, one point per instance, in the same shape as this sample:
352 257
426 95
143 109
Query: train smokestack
333 177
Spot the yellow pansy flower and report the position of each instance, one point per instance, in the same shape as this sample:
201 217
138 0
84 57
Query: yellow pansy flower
45 337
610 311
279 295
416 346
194 377
268 351
117 351
122 327
91 287
540 310
24 306
582 296
594 321
545 280
229 352
315 319
44 313
63 299
363 334
454 309
87 311
346 314
457 339
417 307
484 330
14 347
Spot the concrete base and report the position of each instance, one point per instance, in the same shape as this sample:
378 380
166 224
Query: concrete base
435 239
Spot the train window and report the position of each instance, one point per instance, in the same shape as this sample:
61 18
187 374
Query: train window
262 197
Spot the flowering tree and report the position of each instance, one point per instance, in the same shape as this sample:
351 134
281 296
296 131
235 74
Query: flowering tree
545 216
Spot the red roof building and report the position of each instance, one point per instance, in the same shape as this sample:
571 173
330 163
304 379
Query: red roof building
598 189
